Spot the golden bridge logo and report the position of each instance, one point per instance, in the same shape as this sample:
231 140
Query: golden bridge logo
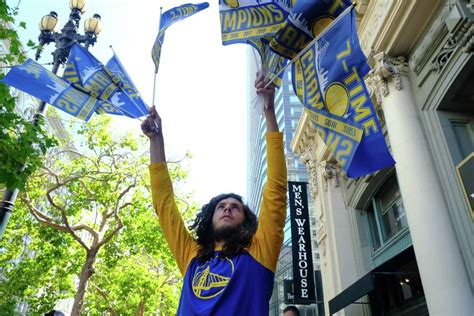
337 99
320 24
207 284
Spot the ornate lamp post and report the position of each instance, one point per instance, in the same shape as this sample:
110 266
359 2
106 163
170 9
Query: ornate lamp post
63 41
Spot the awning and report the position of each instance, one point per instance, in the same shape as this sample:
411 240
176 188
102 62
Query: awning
361 287
403 264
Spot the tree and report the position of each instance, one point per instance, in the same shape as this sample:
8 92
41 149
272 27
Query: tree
86 213
37 264
97 223
138 273
145 280
86 193
17 134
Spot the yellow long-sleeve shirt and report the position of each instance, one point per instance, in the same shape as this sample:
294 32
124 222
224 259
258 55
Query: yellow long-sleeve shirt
264 249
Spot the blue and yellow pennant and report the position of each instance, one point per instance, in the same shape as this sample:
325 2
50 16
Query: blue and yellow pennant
243 20
127 86
254 22
83 69
307 19
328 79
41 83
167 19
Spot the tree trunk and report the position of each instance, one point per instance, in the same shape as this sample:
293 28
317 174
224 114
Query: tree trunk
86 273
140 309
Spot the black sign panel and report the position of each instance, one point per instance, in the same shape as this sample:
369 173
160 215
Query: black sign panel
288 295
303 277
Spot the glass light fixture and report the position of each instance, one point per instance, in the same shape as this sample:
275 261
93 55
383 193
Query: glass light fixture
49 22
79 5
93 25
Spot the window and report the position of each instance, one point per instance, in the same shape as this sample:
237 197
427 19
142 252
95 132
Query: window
391 208
386 214
463 135
373 228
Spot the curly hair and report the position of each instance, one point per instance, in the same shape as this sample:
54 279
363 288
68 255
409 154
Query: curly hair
235 241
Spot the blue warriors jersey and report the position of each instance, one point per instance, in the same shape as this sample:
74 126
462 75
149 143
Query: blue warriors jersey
241 285
226 286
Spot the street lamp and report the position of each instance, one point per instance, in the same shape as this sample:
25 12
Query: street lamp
63 40
68 36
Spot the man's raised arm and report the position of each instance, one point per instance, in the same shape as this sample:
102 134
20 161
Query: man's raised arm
179 240
269 236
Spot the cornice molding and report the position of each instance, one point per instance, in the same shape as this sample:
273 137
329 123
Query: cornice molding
309 159
395 26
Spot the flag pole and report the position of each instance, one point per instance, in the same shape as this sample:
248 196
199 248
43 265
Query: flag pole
156 127
156 70
310 44
154 90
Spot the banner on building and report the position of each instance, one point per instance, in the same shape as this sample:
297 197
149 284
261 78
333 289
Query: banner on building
329 81
306 20
303 275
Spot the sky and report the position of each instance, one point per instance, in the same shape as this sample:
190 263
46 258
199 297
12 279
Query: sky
201 90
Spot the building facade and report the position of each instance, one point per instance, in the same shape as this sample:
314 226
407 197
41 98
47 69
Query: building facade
401 241
288 110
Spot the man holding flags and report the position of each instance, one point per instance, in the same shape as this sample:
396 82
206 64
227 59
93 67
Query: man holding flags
229 261
229 267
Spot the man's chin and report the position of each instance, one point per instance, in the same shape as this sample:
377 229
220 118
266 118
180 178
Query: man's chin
226 231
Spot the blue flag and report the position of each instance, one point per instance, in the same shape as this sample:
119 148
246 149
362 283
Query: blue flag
116 67
84 69
253 22
243 20
307 19
41 83
329 81
167 19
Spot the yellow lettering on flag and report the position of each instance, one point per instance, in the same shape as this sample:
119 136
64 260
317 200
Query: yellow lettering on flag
335 5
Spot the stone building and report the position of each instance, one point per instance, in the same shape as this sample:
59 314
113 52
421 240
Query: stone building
401 241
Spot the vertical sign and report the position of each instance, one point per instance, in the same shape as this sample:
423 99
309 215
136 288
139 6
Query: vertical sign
303 274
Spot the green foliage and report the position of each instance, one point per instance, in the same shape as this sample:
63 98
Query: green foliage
134 269
145 273
18 156
9 35
37 264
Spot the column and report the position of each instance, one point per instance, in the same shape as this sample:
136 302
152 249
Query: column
442 270
341 235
